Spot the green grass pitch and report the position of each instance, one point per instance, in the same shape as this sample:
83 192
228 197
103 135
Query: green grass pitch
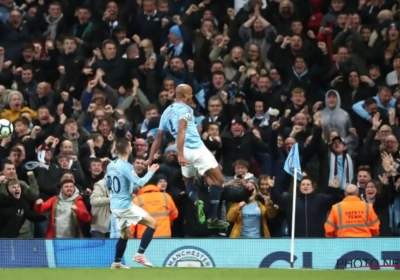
193 274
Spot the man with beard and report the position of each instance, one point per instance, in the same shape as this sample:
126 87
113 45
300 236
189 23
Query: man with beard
171 169
363 177
177 71
67 210
14 211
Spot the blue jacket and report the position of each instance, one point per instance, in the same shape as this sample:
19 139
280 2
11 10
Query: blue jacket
358 108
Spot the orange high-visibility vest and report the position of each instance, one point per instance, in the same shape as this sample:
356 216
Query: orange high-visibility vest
160 206
352 218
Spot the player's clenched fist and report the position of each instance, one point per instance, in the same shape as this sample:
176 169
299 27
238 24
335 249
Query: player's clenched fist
39 201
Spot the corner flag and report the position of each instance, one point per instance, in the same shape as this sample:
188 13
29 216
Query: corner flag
293 161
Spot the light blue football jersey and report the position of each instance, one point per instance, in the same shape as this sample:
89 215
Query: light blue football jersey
170 122
120 180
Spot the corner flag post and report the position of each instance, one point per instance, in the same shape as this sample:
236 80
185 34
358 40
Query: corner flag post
293 168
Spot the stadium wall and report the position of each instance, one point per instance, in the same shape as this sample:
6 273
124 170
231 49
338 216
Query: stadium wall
373 253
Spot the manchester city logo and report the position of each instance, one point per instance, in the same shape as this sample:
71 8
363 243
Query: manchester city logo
189 256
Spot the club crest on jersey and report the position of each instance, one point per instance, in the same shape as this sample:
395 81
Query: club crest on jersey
189 256
133 172
187 116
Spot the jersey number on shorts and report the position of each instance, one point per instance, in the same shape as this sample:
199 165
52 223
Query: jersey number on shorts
171 127
115 184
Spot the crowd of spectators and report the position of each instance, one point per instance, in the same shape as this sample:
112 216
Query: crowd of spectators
77 75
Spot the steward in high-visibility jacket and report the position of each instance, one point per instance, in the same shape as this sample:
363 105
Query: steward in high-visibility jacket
160 206
352 217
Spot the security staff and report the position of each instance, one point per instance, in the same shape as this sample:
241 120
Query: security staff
352 217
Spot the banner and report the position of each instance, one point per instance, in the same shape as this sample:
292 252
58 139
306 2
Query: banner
373 253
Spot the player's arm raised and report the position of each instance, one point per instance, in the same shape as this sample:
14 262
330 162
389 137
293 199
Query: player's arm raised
155 146
150 172
180 140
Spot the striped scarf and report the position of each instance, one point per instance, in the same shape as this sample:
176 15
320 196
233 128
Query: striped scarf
347 174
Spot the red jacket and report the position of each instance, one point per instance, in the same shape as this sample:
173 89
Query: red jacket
81 214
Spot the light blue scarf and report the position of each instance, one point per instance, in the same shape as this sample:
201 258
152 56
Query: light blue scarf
176 50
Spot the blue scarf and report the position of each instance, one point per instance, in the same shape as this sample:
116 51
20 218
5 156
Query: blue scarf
145 124
299 76
175 50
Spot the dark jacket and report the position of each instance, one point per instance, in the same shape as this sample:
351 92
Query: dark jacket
311 211
278 156
117 68
242 147
192 227
13 213
381 207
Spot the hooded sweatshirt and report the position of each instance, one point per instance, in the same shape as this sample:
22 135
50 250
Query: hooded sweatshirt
65 224
335 118
339 120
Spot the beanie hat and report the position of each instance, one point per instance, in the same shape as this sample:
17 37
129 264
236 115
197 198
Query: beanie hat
176 31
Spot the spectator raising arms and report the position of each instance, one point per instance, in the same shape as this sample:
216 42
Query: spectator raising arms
78 76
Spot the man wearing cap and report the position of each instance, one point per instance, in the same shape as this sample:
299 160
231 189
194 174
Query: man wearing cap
239 144
340 163
239 106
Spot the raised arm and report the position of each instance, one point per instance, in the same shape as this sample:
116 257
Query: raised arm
155 146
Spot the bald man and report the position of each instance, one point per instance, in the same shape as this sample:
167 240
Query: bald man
42 96
193 156
352 217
